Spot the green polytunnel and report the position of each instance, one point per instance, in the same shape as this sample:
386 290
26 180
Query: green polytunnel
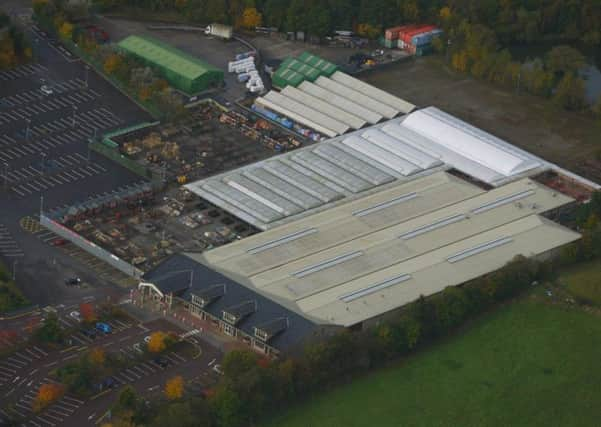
183 71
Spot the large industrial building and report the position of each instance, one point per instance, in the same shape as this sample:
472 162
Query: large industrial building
398 205
182 71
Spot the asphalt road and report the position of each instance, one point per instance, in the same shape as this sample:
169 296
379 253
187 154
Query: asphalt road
44 153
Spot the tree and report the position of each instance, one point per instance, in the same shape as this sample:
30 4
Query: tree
251 18
128 399
564 59
47 393
66 30
174 388
87 311
50 331
569 93
157 342
112 63
97 356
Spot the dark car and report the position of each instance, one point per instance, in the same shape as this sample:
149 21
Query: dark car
73 281
162 362
90 333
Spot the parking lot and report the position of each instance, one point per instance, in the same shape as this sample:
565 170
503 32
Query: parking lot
23 372
49 110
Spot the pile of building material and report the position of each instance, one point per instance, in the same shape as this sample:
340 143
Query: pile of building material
245 67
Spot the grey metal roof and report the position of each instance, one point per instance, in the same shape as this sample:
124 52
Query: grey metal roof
205 278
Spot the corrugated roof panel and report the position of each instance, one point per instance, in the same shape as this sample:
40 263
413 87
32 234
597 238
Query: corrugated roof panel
282 188
324 107
288 112
380 155
307 115
352 164
330 171
366 101
262 194
401 149
373 92
340 102
242 201
305 183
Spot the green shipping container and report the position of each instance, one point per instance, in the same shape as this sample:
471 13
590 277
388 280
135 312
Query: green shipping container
182 71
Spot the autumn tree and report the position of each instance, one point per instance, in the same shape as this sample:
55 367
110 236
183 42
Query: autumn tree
66 30
97 356
112 63
157 342
251 18
47 393
87 311
569 93
174 388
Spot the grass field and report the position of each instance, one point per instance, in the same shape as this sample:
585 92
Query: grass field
527 364
584 282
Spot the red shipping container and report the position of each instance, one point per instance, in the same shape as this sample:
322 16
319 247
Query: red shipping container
408 35
393 33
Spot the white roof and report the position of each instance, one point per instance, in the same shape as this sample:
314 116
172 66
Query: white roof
418 237
340 102
324 107
373 92
470 142
357 97
302 114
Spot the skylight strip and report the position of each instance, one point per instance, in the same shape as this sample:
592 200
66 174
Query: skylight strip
433 226
281 241
374 288
479 249
326 264
384 205
503 201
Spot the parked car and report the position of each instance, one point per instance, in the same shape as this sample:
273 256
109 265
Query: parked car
162 362
104 327
46 90
138 348
73 281
58 242
90 333
147 339
75 315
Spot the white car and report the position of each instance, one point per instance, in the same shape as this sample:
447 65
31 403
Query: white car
217 368
147 339
75 315
46 90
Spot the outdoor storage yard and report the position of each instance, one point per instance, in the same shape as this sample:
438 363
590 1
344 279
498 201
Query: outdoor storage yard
146 228
209 141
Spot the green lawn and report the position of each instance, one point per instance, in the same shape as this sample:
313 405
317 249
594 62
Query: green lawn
527 364
584 282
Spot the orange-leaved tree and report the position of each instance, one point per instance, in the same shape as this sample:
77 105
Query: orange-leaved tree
97 356
157 342
174 388
87 311
47 393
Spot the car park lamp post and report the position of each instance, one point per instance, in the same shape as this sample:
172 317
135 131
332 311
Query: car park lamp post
87 72
28 121
74 110
14 270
